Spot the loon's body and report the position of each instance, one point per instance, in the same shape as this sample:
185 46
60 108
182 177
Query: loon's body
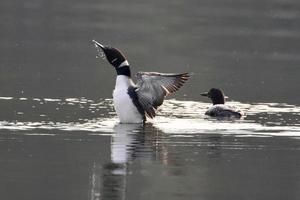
219 109
126 110
134 102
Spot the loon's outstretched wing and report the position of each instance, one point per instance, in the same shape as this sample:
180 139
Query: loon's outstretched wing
153 87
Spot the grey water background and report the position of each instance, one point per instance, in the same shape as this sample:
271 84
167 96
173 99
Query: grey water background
59 135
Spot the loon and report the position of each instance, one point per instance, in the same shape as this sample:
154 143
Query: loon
219 109
134 102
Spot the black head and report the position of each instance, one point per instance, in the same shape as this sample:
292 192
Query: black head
216 95
115 58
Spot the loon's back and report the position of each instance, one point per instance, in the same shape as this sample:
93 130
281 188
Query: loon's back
221 110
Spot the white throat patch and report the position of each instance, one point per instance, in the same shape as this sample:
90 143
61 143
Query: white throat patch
124 63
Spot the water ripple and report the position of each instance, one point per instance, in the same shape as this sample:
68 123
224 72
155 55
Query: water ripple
175 117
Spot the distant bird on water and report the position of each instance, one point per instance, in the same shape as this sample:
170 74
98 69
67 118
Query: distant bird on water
219 109
134 102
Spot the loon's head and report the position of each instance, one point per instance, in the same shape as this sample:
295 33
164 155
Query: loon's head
115 58
216 95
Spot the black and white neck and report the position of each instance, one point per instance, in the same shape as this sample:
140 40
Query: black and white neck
124 69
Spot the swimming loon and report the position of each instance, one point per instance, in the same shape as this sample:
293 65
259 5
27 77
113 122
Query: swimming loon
134 102
219 109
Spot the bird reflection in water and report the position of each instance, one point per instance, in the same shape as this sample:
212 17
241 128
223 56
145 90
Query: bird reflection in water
128 142
132 142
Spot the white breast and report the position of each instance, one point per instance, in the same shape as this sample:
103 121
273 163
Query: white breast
126 110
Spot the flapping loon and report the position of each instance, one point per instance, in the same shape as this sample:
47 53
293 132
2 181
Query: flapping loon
134 102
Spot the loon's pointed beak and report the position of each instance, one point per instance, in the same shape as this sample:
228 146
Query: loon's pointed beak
98 44
204 94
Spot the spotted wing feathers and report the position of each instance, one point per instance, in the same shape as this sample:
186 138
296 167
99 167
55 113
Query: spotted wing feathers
224 111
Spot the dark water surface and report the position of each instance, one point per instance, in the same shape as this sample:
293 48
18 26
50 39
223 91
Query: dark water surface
74 148
60 137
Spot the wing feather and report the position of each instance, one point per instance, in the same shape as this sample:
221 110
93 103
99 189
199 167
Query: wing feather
153 87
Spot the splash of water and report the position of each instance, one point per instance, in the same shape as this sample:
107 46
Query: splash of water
100 53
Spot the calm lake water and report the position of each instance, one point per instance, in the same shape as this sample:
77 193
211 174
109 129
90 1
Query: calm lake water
59 134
